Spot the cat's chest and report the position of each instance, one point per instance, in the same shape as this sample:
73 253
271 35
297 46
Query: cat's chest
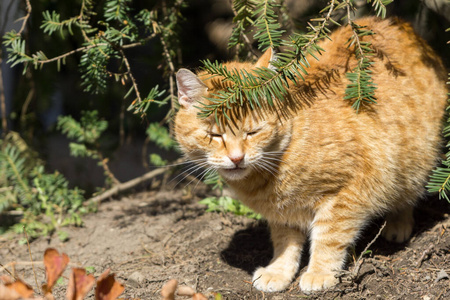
277 201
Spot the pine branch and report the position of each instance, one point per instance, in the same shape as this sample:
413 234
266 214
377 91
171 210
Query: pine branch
268 28
380 6
263 83
361 88
243 13
440 178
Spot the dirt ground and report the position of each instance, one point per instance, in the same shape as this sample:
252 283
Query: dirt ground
148 238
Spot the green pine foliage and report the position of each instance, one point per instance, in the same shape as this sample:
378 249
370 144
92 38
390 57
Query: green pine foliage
44 200
249 88
440 178
105 42
87 133
361 88
242 20
268 29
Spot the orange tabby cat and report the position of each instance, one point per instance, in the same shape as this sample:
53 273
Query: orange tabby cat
326 171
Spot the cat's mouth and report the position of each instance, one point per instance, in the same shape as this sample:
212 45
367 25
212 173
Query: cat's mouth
234 173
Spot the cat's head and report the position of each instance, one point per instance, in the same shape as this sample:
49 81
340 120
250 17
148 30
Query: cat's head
253 143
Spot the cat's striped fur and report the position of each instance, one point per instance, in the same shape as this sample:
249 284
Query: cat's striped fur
325 171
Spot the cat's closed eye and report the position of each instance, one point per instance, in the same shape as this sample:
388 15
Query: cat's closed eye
252 133
214 134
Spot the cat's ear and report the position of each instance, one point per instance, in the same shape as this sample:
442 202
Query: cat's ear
190 88
266 58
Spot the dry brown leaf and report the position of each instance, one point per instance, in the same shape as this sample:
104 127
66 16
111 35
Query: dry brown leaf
79 284
185 291
198 296
8 294
6 279
107 287
168 290
23 289
55 264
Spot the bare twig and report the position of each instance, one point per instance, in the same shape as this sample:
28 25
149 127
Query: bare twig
133 80
27 16
28 99
425 255
31 258
359 262
171 81
105 166
129 184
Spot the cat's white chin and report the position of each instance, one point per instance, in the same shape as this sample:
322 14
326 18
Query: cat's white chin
234 174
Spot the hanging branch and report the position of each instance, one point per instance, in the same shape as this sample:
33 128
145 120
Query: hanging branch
361 87
268 28
440 178
264 83
243 13
27 16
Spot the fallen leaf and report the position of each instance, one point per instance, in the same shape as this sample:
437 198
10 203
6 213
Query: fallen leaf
23 289
6 279
55 264
168 290
185 291
107 287
198 296
8 294
79 284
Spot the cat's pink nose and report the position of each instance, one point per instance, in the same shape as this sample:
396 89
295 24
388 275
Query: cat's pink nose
236 159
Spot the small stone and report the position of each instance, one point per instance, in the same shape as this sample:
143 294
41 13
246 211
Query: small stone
426 297
217 227
441 275
136 279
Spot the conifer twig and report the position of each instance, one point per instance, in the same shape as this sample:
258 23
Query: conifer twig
171 76
133 80
27 16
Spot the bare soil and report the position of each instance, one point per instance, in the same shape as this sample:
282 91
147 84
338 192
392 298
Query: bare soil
151 237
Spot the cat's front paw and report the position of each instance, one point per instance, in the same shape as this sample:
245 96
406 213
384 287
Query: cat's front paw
314 281
267 280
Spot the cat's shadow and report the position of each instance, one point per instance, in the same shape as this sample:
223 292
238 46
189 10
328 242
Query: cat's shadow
251 248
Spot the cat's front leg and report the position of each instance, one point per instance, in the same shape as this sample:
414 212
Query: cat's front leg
333 230
288 244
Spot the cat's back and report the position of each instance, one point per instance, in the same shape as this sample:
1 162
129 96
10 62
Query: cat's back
394 141
403 64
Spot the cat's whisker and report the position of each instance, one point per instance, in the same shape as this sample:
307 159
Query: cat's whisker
266 168
202 174
185 161
193 170
208 170
195 165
